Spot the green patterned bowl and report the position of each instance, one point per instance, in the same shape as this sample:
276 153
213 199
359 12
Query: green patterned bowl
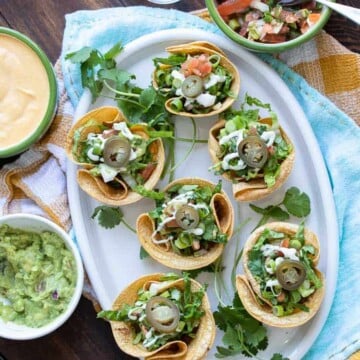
261 47
26 110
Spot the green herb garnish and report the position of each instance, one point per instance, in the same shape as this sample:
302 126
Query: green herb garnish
109 217
242 333
295 203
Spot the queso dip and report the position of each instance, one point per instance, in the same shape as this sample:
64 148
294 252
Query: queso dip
24 91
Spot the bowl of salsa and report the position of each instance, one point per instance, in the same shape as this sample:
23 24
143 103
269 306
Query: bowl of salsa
41 276
267 25
28 92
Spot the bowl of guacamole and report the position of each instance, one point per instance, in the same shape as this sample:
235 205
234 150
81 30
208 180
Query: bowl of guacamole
41 276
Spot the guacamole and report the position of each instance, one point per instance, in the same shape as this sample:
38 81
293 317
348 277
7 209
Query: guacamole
37 276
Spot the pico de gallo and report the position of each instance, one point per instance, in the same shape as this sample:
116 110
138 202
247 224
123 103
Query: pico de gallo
267 21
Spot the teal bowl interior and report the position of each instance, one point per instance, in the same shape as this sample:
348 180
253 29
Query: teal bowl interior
46 121
260 47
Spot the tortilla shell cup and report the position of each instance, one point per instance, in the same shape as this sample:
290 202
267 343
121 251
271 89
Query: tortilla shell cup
249 289
176 349
204 47
94 185
255 189
224 217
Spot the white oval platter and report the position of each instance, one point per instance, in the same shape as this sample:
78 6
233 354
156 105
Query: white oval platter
111 257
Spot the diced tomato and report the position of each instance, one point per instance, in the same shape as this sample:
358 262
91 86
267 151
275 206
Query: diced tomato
313 18
146 173
199 66
230 7
172 224
274 38
285 243
110 132
281 297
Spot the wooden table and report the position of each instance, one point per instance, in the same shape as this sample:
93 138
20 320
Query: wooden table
83 336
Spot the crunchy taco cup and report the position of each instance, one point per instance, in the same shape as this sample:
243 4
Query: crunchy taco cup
281 286
256 155
160 311
198 79
190 227
114 156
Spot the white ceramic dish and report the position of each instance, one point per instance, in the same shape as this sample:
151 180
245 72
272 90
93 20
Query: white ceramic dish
36 223
112 258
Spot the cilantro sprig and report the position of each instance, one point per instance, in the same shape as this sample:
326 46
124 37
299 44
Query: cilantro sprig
92 61
242 333
99 70
295 203
109 217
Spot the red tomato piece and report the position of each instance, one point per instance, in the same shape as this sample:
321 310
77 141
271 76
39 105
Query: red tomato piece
230 7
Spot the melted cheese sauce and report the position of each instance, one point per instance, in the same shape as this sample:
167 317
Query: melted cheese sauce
24 91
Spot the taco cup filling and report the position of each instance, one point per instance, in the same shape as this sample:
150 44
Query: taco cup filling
117 153
164 311
282 266
185 220
195 83
250 147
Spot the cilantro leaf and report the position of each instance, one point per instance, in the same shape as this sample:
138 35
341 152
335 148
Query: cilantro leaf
255 263
278 356
242 333
107 217
117 75
114 51
277 213
260 210
143 253
79 56
297 203
148 98
254 101
92 62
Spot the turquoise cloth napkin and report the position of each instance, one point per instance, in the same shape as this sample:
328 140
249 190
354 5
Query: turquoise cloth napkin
337 134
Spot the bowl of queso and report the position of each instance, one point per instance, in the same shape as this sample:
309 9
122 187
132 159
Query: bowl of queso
41 276
267 25
28 93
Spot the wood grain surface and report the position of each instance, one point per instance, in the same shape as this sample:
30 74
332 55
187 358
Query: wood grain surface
83 337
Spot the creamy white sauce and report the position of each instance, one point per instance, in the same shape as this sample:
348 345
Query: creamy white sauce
289 253
238 134
240 164
125 131
268 137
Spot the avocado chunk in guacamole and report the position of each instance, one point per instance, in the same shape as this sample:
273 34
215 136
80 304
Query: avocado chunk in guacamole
37 276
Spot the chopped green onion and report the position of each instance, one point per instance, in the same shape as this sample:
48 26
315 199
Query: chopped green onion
215 60
160 75
176 104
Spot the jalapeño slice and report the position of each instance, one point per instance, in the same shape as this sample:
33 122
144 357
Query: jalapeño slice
290 274
253 151
162 314
192 86
187 217
116 151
